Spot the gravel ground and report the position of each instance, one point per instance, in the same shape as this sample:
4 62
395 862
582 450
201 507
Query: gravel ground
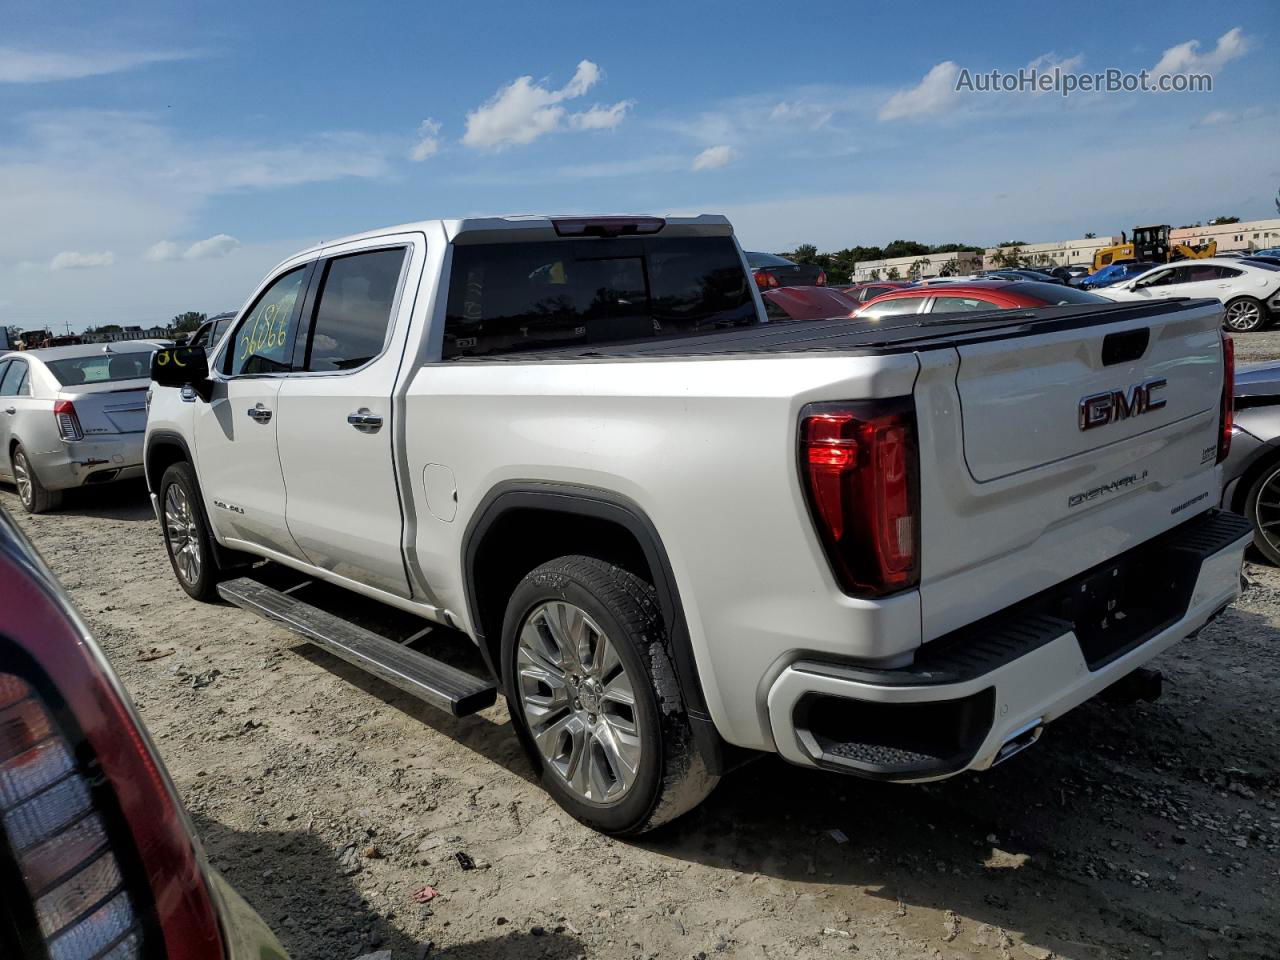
1252 347
328 799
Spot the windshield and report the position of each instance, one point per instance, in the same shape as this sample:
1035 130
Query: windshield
509 297
100 368
1056 294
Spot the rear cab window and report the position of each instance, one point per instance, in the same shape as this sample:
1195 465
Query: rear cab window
101 368
508 298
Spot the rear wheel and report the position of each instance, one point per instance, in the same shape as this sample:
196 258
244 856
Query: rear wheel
33 494
594 697
186 535
1245 314
1262 507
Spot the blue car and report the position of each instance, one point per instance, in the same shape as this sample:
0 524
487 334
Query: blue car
1115 273
1269 252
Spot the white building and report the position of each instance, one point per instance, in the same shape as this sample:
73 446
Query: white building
1248 235
956 264
1057 253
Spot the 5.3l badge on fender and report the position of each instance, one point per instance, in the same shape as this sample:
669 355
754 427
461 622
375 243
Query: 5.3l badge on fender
1100 409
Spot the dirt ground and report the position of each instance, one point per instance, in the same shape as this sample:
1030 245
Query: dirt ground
328 799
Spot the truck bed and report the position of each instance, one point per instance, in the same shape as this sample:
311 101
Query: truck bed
846 335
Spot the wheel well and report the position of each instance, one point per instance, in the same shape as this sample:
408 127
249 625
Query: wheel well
160 457
522 539
1250 477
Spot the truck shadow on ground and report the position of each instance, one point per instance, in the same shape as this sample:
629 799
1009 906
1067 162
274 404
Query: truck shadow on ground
127 500
1090 842
317 913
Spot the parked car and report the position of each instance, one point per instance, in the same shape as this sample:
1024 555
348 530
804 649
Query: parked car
1251 473
974 295
1070 272
681 536
1267 252
807 303
1249 291
99 857
862 292
1019 274
71 417
1115 273
772 271
211 331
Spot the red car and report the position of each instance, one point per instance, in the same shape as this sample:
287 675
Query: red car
971 296
807 303
97 857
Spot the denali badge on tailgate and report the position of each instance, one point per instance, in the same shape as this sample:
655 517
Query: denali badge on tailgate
1099 409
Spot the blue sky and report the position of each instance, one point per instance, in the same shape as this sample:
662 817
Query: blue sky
157 157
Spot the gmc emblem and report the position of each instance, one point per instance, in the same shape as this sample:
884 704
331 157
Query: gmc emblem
1099 409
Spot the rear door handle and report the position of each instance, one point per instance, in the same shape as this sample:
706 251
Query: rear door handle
362 419
260 413
10 410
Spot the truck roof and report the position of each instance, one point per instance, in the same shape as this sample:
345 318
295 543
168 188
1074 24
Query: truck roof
531 227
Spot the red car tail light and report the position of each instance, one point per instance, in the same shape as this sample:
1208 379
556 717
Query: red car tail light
860 465
96 854
64 411
822 279
1226 419
765 280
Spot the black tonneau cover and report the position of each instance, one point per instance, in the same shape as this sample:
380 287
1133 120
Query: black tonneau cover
895 334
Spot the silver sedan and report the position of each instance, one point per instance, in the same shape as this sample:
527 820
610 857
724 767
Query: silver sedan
72 416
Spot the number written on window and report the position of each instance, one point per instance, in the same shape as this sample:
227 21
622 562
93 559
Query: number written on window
263 342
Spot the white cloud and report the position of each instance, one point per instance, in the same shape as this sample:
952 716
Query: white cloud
1219 118
1186 57
713 158
72 260
218 245
428 144
601 118
525 110
164 250
813 115
934 93
1048 62
35 66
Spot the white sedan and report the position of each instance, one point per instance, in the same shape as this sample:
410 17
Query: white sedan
1250 289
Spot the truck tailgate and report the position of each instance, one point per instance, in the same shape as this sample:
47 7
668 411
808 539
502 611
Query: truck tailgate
1046 454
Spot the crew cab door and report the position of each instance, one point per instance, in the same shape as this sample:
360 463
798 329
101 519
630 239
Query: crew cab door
236 431
336 436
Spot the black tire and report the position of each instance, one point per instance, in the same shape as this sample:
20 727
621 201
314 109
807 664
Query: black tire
1267 476
32 494
190 539
1245 315
670 777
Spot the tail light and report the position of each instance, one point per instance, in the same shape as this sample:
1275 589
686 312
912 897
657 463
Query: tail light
64 411
96 856
765 280
1226 419
860 465
822 278
607 226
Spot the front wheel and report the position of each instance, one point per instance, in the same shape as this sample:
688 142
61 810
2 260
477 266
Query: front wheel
594 698
186 535
1245 314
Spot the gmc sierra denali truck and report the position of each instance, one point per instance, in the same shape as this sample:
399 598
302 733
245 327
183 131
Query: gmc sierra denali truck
680 534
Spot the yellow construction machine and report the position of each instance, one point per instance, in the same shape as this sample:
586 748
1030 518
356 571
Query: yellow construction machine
1151 245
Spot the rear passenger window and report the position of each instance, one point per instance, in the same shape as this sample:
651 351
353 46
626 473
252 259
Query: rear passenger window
509 297
893 307
13 378
263 343
354 309
960 305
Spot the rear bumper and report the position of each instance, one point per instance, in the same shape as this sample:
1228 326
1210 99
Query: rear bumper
980 695
75 463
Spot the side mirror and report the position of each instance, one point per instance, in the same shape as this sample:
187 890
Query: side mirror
181 367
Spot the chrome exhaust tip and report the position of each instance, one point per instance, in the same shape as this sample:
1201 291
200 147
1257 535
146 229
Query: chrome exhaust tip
1019 740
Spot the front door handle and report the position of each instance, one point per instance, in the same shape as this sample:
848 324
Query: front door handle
11 410
362 419
260 413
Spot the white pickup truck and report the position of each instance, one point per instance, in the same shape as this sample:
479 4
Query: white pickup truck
679 534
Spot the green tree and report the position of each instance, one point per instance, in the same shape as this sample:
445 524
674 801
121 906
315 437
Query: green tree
918 267
893 274
1222 221
905 248
186 322
1090 236
804 253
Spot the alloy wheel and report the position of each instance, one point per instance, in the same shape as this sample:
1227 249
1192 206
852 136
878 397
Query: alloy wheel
22 477
184 535
1244 315
1267 511
578 701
